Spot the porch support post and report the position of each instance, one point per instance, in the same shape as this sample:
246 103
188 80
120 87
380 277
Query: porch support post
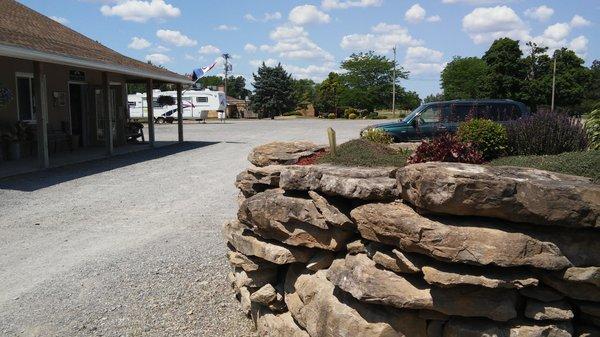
108 130
149 88
41 104
179 114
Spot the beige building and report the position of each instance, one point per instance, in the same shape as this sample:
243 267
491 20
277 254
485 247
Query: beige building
60 87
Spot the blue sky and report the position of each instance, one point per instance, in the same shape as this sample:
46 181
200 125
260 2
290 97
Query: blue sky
311 38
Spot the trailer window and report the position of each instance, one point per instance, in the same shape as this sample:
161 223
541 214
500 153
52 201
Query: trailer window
202 99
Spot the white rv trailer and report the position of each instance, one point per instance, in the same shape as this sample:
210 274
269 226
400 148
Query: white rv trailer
196 105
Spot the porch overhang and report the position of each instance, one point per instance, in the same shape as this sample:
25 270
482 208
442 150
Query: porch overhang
34 55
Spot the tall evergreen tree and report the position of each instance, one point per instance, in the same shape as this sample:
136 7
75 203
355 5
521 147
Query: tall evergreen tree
273 91
538 79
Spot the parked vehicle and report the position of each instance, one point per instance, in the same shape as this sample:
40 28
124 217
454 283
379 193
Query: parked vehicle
196 105
433 118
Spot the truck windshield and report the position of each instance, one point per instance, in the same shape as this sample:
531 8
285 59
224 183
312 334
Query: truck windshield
411 115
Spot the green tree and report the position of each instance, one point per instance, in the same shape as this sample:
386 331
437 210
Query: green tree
572 79
236 87
273 91
464 78
210 81
434 98
538 79
368 81
407 100
506 72
304 92
592 94
329 94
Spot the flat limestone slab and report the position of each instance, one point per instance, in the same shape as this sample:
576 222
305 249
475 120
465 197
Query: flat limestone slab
399 225
511 193
358 275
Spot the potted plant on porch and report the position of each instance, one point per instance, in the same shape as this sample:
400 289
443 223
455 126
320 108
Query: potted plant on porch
19 140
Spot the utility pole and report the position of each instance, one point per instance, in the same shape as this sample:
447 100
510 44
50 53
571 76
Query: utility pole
553 83
394 86
226 57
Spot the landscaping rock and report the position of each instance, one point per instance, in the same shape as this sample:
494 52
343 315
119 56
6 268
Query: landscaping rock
284 153
269 324
258 179
254 279
326 312
295 221
321 260
510 193
588 275
587 331
460 241
542 293
245 303
575 290
248 263
358 275
553 311
265 295
348 182
356 247
458 327
395 260
245 242
452 276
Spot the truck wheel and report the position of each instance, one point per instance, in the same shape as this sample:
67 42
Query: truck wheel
170 120
160 120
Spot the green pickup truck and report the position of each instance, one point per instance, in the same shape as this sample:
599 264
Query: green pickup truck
438 117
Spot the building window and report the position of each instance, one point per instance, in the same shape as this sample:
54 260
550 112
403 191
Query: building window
25 98
202 99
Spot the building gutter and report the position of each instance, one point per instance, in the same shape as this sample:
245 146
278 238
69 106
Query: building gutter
29 54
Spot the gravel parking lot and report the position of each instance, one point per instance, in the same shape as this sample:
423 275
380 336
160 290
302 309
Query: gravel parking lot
131 246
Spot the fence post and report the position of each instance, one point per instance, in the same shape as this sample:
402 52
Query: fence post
332 143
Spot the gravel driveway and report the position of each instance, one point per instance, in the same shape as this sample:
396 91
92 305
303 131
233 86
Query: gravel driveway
131 246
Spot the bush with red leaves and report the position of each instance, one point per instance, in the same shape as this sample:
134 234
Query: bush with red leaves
447 148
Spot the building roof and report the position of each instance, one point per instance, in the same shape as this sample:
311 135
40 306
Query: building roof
27 34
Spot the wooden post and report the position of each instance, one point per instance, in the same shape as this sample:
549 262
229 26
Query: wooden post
149 88
41 110
108 110
179 114
332 142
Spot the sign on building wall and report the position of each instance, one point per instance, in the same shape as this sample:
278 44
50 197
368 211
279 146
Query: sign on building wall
76 75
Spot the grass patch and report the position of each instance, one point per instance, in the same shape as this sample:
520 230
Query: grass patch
360 152
585 163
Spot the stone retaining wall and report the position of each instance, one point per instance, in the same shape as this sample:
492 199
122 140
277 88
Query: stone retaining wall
434 249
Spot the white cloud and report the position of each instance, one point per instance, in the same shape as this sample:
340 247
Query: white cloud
487 24
415 14
579 45
60 19
226 27
266 17
139 43
382 39
434 18
422 60
579 21
476 2
209 49
557 31
158 58
541 13
340 4
305 14
316 73
250 48
293 42
141 11
268 62
176 38
161 49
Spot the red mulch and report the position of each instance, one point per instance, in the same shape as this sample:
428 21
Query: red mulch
312 159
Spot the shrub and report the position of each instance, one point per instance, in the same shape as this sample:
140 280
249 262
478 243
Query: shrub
486 136
377 136
546 133
292 113
350 111
447 148
592 128
331 116
361 152
352 116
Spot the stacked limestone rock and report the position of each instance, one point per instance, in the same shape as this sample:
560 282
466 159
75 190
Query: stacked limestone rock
435 249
